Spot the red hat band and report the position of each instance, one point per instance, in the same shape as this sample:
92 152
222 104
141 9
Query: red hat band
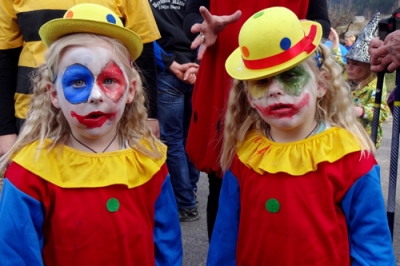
304 45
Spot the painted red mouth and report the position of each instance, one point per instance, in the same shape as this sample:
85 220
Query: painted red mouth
284 109
93 119
280 110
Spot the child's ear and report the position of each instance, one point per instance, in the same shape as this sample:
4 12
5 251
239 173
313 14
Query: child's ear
322 89
51 90
131 91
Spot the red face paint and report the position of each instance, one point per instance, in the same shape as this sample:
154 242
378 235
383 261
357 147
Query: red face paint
112 81
281 110
94 119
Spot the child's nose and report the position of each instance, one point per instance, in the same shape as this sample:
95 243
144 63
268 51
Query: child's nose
274 89
96 95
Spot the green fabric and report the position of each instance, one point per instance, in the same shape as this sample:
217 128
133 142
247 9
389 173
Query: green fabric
365 97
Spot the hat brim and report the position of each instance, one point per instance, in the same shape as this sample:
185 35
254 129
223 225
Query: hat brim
57 28
235 67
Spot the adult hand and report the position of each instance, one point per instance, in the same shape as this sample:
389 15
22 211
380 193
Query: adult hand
334 38
385 54
6 142
210 28
190 74
154 126
180 69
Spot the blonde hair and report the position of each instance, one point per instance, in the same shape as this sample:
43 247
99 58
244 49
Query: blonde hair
45 121
351 38
335 108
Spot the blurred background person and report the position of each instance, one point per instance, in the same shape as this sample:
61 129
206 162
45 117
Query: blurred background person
176 74
363 81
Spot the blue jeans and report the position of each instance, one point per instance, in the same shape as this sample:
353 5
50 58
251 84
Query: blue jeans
174 112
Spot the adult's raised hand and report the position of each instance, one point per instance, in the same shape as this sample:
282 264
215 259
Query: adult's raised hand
210 28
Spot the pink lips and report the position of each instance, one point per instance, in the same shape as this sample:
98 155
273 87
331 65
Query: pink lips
93 119
281 110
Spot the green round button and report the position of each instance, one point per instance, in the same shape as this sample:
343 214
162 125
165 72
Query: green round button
259 14
272 205
112 205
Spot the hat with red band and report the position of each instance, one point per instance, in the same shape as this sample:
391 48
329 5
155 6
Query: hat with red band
91 18
270 42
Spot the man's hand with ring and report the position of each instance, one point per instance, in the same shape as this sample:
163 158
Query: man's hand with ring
209 29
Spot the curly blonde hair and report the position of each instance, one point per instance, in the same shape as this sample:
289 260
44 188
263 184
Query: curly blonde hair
44 121
335 108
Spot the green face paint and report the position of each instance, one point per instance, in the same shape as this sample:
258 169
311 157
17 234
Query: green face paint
292 82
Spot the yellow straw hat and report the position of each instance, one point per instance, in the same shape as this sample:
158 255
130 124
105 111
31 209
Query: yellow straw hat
91 18
270 42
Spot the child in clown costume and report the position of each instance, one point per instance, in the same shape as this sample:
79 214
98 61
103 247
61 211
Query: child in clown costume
87 183
301 184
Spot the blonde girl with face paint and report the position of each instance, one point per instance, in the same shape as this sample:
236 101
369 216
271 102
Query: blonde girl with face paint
87 181
299 169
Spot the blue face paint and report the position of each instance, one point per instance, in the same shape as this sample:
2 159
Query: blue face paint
77 83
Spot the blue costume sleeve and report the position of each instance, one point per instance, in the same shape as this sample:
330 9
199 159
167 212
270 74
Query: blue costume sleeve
167 230
21 220
222 249
163 59
369 235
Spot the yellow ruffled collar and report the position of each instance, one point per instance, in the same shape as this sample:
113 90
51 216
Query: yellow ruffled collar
70 168
295 158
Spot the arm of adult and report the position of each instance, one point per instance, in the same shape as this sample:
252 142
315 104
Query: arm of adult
222 249
167 231
10 49
180 71
139 18
147 67
8 78
318 11
190 74
166 61
385 54
369 235
209 29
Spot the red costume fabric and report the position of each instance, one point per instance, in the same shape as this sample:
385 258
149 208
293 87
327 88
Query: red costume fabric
213 84
293 236
74 218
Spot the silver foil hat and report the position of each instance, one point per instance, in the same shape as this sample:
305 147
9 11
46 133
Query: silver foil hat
359 50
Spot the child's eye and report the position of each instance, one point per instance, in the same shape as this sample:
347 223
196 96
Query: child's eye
262 82
79 83
287 76
108 81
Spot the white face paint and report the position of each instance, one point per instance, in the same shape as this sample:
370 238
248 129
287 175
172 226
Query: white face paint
286 101
92 90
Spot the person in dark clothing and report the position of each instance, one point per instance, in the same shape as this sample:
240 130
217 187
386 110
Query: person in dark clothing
176 73
21 52
211 90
